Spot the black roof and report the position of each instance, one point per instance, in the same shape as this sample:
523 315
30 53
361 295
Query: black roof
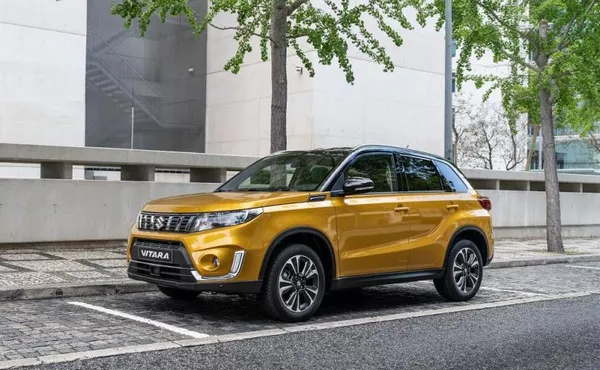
368 147
408 151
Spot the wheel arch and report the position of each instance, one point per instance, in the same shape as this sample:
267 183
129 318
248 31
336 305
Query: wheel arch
313 238
474 234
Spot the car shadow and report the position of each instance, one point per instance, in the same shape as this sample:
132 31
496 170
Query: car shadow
236 313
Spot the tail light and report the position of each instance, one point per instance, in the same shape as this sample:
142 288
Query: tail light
485 203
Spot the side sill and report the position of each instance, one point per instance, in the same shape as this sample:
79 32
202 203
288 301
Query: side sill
382 279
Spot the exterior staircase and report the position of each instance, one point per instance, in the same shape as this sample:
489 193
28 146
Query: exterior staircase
110 74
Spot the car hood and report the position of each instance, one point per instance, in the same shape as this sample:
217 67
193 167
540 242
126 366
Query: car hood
212 202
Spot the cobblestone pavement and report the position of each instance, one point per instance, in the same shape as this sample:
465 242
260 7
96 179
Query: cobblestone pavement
22 268
29 268
30 329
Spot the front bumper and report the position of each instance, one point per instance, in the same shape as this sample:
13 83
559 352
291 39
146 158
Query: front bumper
179 272
238 287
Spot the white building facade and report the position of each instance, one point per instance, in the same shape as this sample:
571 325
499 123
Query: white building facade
71 76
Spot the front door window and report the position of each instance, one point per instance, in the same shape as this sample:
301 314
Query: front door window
377 167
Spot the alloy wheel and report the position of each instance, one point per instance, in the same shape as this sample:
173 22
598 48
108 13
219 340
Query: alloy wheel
466 270
298 283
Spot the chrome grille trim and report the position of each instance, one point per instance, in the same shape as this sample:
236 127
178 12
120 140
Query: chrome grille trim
166 222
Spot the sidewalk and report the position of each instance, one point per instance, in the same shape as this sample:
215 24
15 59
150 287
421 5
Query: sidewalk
532 252
44 273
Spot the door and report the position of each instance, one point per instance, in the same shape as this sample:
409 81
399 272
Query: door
372 232
430 207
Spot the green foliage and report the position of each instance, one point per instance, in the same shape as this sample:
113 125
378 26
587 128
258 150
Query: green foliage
509 30
329 27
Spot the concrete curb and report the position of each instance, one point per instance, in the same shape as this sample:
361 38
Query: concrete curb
124 287
545 261
43 292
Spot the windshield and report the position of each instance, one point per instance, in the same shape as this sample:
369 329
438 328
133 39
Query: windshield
290 171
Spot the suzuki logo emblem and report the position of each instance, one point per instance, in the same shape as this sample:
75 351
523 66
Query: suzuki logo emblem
159 222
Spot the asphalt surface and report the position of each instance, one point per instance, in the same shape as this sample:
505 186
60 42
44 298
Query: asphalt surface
561 334
522 318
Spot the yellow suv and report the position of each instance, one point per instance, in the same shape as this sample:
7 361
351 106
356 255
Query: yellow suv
297 224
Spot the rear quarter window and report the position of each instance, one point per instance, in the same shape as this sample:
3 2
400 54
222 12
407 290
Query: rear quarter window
451 180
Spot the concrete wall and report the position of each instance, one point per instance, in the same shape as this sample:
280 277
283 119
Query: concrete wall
42 72
523 213
71 210
41 210
404 108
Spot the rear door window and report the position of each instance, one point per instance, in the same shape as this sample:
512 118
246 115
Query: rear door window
421 174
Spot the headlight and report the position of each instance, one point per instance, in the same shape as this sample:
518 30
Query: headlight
138 220
213 220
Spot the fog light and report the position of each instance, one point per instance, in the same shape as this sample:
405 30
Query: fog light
215 261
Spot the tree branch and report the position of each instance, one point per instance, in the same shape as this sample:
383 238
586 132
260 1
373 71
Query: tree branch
295 5
240 29
290 36
594 142
565 33
492 14
520 61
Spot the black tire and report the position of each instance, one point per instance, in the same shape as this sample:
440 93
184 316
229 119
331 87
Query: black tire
451 289
179 294
271 301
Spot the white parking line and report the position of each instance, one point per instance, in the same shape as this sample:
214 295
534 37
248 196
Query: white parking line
583 267
63 358
439 311
512 291
124 315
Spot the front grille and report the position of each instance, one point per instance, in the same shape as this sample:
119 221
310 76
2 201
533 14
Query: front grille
169 222
179 270
169 273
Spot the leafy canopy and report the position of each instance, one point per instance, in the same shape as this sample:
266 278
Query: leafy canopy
509 30
329 26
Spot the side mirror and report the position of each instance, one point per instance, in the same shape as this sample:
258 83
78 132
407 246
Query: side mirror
358 185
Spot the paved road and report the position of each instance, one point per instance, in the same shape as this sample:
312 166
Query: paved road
514 317
562 334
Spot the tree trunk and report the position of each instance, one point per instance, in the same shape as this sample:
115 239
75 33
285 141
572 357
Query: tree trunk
457 137
278 76
553 224
455 152
536 132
